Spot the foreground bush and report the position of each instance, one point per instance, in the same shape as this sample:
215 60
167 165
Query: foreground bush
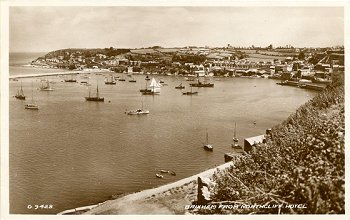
302 162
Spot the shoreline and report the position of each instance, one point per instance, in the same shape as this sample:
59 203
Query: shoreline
120 205
64 72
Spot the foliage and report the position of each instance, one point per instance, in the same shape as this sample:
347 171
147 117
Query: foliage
195 59
302 162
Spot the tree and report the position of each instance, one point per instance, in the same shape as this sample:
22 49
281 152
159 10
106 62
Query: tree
301 55
72 66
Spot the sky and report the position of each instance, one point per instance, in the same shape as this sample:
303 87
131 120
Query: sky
43 29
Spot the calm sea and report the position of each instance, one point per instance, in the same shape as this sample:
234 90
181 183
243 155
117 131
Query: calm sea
73 153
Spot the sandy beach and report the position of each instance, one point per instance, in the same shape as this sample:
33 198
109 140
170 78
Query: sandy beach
59 73
167 199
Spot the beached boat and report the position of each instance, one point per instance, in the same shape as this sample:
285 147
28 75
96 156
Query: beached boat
32 105
159 176
180 86
46 87
20 94
96 98
208 146
122 79
153 89
111 81
202 84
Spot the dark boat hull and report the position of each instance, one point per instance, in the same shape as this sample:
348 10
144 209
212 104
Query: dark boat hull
145 90
95 99
20 97
189 93
202 85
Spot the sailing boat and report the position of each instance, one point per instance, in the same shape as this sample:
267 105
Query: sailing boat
154 88
20 94
180 86
32 105
235 140
121 79
112 82
190 93
208 146
96 98
46 87
146 89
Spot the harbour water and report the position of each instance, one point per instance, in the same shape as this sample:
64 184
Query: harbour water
73 153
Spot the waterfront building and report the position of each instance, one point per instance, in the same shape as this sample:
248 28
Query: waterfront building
249 143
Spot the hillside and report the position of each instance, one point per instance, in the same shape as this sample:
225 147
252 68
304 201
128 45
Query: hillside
302 162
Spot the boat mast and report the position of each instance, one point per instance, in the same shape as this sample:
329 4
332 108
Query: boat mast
32 93
97 91
22 89
235 132
207 137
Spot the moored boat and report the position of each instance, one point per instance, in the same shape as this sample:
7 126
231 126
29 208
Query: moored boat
20 94
32 105
235 140
202 84
71 79
138 112
159 176
96 98
208 146
190 92
110 82
153 89
46 87
180 86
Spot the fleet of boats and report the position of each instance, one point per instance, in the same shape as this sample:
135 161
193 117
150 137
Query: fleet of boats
152 89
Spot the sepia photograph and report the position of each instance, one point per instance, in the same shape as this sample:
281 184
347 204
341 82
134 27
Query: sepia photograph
173 109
